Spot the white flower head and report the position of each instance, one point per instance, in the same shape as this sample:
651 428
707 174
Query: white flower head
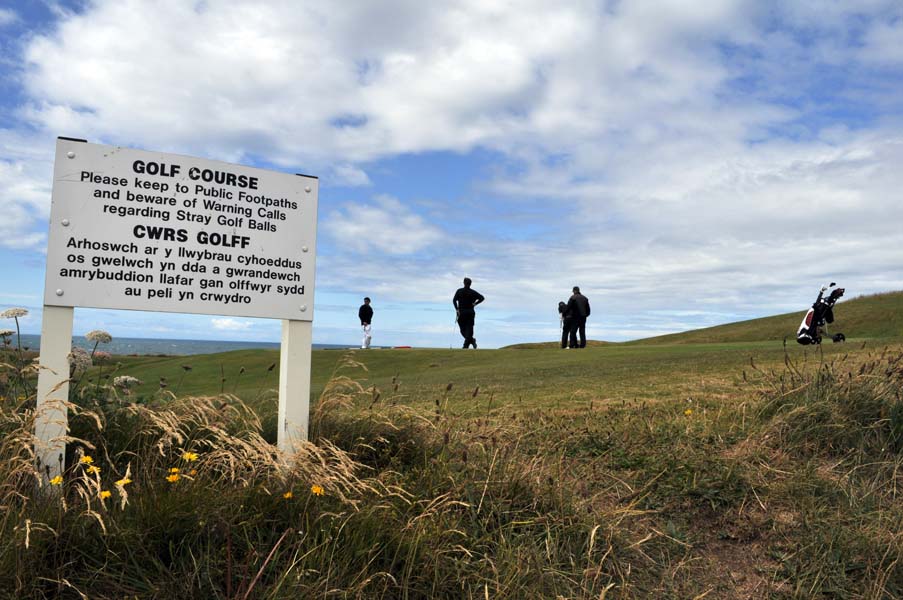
13 313
98 335
4 333
79 360
126 381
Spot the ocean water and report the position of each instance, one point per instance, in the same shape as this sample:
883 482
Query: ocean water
147 346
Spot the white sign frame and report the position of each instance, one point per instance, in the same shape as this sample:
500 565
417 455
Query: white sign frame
85 216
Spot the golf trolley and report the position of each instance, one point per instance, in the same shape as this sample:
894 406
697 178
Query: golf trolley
814 324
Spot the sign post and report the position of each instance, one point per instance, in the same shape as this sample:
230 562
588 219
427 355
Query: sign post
138 230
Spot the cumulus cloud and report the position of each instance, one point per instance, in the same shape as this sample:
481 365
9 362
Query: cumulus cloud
229 324
657 153
386 226
7 17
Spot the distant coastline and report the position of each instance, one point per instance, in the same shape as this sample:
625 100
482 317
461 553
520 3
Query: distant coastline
169 347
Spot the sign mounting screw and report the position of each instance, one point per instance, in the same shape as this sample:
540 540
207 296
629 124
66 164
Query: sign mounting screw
304 248
65 222
70 154
303 308
59 292
307 189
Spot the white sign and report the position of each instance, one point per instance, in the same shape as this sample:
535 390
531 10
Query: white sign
141 230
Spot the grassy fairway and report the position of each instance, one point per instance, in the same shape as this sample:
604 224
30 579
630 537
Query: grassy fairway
525 378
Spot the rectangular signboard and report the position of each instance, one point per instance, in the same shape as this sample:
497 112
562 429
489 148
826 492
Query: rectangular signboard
142 230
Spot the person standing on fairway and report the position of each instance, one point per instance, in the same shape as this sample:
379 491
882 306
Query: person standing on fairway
578 306
365 314
566 320
464 301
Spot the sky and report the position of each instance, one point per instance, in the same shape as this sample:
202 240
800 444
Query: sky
685 163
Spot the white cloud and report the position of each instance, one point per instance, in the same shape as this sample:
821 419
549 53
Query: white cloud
7 17
386 226
658 153
349 175
229 324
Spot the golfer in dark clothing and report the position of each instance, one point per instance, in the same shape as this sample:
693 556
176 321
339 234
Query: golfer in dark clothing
465 300
578 306
365 314
566 321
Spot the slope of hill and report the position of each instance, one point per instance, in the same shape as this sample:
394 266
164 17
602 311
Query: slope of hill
876 316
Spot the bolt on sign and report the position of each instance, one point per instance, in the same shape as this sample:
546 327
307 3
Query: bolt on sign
139 230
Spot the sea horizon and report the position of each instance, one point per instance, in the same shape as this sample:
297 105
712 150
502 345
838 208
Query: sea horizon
165 346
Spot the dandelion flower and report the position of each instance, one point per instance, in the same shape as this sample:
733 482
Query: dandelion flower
174 470
99 336
104 494
172 478
13 313
123 482
316 490
190 456
287 495
86 460
58 480
688 412
93 470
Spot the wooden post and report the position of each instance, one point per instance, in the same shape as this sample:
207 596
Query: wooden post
51 420
294 384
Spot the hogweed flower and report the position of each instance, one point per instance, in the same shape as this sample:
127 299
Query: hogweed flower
79 360
5 333
101 356
13 313
58 480
126 381
99 336
316 490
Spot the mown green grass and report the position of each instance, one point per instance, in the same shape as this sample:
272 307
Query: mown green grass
864 317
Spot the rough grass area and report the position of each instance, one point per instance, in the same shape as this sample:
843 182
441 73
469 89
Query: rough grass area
775 477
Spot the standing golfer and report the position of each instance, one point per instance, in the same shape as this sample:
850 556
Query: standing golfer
465 300
578 306
365 314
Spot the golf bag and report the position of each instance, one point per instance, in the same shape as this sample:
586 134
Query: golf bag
814 324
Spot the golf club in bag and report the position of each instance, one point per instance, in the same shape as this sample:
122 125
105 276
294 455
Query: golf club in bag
814 324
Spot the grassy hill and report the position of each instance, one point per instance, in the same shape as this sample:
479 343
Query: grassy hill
876 316
723 470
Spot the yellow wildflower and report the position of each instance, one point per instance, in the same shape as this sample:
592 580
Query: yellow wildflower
86 460
57 480
316 490
172 478
93 469
104 494
287 495
193 472
190 456
174 470
123 482
688 412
